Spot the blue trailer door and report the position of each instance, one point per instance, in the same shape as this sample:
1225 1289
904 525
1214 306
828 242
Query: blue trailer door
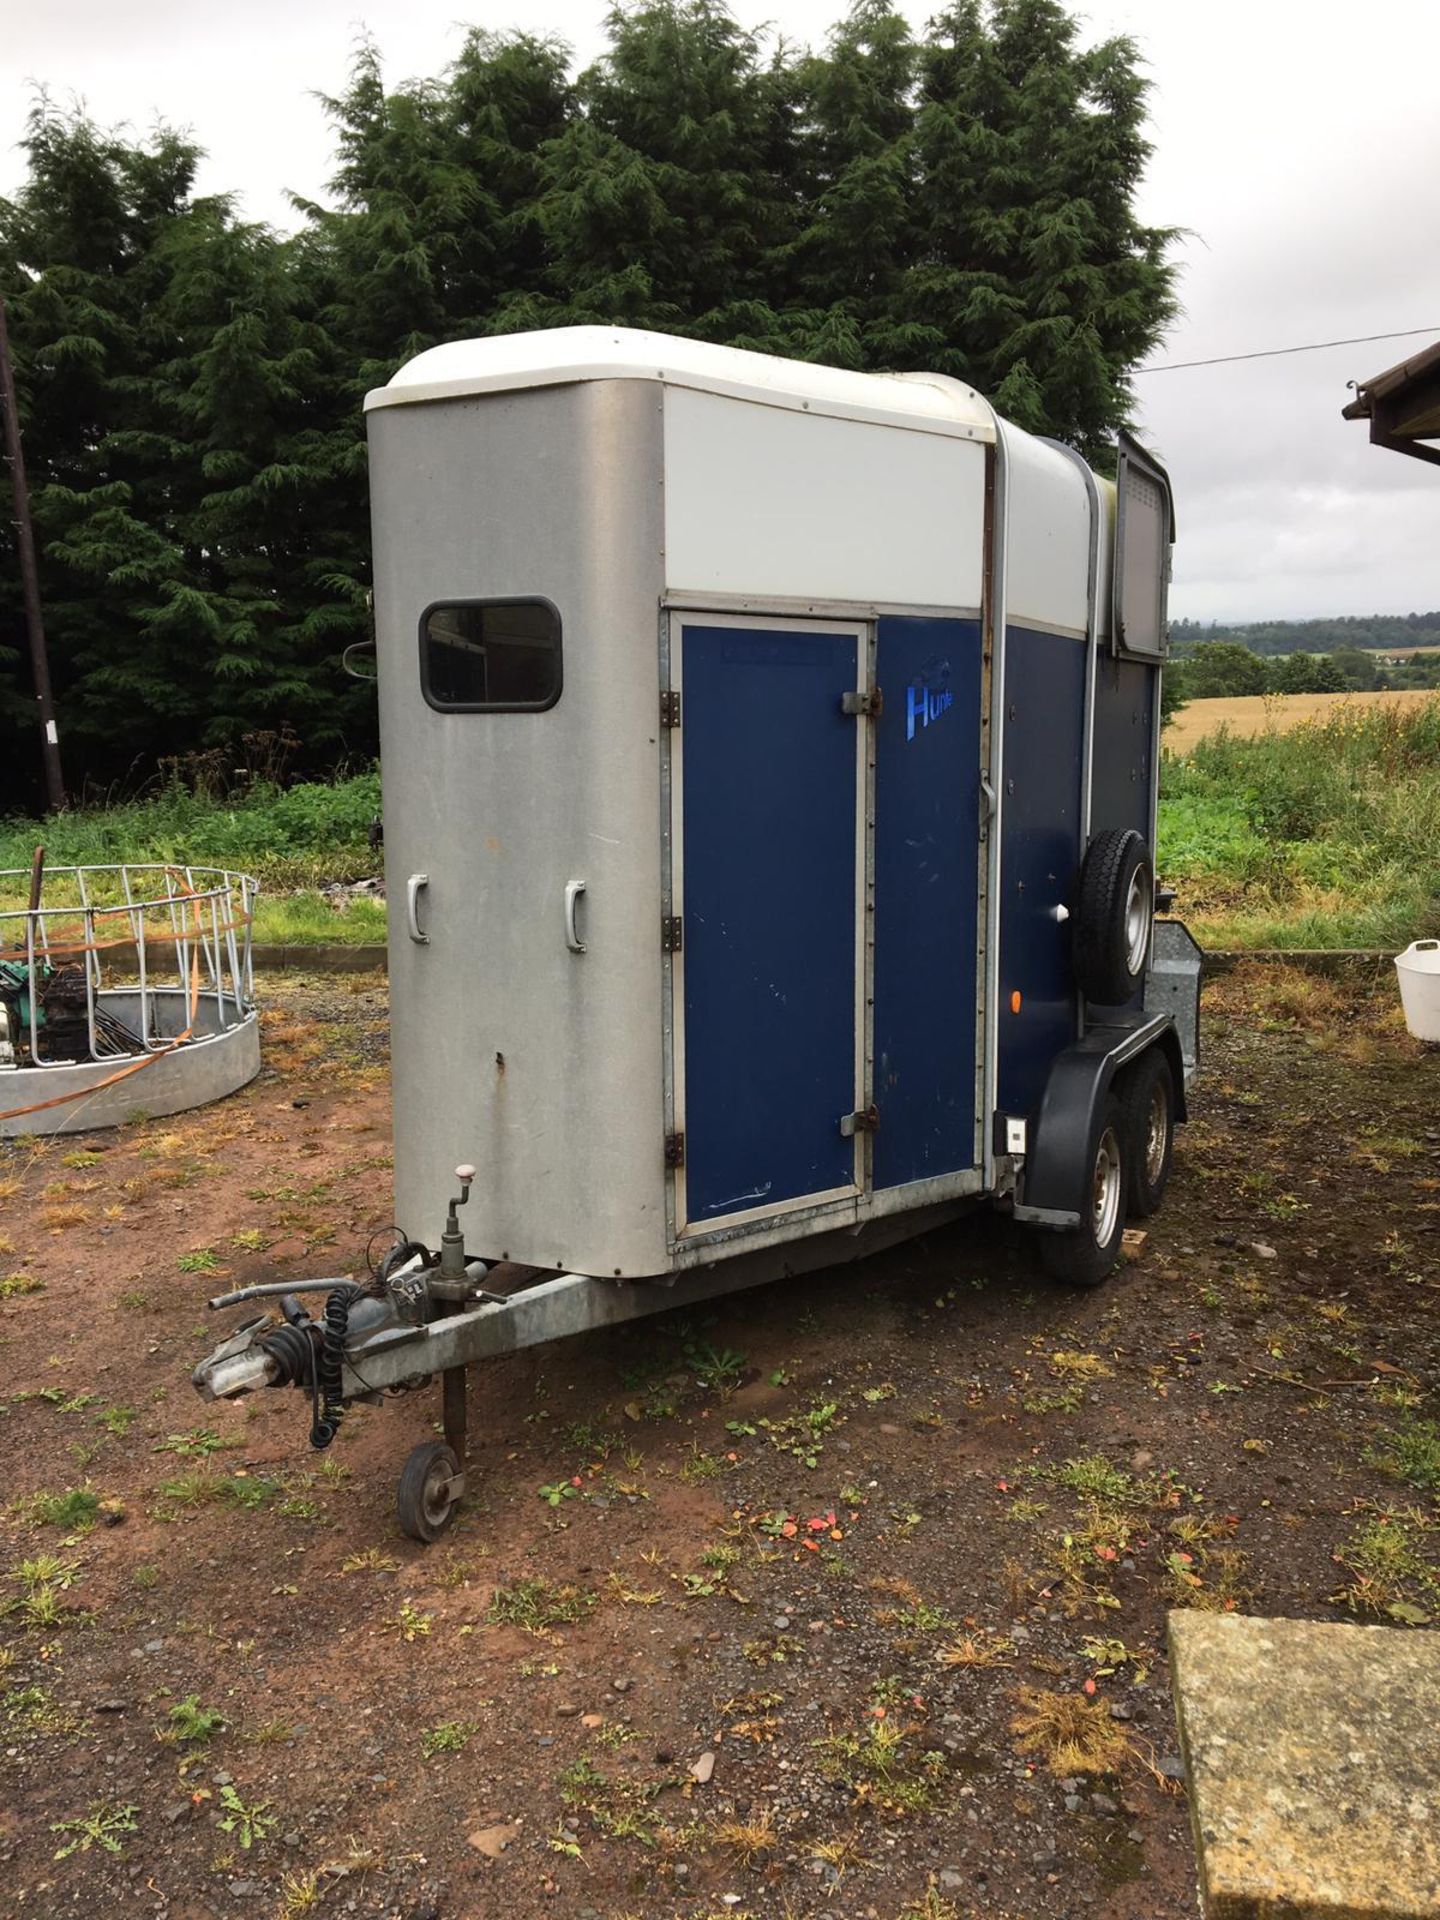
927 876
767 881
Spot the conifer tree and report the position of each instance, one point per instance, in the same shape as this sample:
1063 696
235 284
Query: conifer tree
192 385
858 236
1035 281
664 201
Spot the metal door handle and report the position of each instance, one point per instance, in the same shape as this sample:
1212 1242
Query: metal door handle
573 891
412 907
987 802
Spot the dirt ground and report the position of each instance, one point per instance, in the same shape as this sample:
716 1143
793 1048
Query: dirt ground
847 1598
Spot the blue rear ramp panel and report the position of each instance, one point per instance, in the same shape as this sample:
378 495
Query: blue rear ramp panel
768 825
927 873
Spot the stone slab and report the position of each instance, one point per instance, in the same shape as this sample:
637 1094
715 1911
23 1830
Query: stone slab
1312 1756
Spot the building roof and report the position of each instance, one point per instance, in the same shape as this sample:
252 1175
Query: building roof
1402 405
928 403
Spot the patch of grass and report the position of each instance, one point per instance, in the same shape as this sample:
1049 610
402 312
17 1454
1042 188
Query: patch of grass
1093 1478
1410 1453
1390 1574
198 1445
932 1905
75 1511
619 1588
40 1607
747 1841
623 1808
15 1286
699 1466
447 1736
369 1560
202 1260
884 1766
1068 1733
1214 1580
910 1614
972 1651
243 1491
45 1570
299 1894
270 1733
1324 835
1067 1365
539 1605
1066 1400
292 836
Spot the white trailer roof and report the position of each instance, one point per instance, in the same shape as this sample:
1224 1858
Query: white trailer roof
929 403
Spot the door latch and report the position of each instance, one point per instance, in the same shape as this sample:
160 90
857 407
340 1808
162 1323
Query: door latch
865 1120
872 703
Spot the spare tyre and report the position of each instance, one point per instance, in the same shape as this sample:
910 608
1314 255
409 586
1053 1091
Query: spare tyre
1114 916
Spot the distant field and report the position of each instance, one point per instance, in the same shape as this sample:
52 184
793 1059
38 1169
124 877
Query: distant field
1260 713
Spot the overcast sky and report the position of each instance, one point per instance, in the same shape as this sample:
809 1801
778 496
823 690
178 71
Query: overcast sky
1297 142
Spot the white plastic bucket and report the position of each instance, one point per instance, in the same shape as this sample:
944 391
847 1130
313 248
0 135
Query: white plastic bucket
1418 969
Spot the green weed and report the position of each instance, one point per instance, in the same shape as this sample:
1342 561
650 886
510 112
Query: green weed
98 1828
447 1736
537 1605
188 1720
74 1511
1411 1453
247 1823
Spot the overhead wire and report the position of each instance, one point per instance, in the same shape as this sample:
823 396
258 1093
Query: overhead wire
1275 353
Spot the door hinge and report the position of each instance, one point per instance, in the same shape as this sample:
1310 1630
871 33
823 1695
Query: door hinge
670 707
674 1149
872 702
672 933
866 1120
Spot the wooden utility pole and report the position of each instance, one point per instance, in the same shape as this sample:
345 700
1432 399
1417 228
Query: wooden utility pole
29 578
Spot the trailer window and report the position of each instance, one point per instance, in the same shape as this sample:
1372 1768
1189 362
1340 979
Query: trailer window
479 656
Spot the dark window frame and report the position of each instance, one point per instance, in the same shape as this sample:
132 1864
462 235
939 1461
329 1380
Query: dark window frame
491 706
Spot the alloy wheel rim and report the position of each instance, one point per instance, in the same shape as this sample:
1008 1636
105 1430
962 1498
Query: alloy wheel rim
1137 920
1157 1134
1106 1199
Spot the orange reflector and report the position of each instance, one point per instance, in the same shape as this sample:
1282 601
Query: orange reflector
1015 1002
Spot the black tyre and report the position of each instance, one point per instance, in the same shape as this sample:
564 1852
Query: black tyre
1114 916
1083 1256
1147 1131
424 1499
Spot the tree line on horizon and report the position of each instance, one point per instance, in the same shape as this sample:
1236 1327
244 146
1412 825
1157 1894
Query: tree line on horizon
191 382
1229 669
1377 632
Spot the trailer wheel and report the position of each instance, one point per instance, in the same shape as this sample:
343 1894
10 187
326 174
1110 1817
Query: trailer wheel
1114 917
425 1497
1147 1115
1083 1256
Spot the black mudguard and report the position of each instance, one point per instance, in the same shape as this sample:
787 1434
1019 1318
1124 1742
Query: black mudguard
1056 1176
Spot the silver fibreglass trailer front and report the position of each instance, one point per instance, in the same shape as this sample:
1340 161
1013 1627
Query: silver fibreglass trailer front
754 737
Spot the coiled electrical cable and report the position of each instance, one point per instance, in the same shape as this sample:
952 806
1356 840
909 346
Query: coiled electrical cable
327 1403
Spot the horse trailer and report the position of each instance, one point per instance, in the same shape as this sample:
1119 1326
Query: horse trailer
770 758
